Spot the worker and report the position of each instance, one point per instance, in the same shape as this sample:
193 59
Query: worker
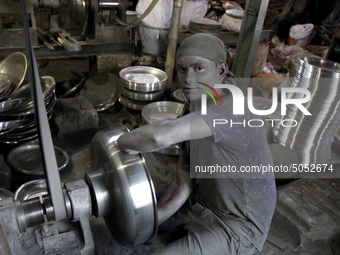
231 212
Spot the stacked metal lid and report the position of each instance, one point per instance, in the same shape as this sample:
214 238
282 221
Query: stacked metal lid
204 25
312 136
17 121
141 85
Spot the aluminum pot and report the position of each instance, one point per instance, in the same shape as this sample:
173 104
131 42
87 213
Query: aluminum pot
143 78
151 96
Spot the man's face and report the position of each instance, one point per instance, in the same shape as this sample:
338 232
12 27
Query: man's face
193 70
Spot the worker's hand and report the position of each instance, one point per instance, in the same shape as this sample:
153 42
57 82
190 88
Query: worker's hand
126 149
175 196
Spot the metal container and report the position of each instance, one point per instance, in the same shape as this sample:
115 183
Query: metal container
143 78
26 159
15 65
179 96
161 111
122 190
47 85
9 124
151 96
132 104
102 90
32 189
10 104
158 111
5 82
21 118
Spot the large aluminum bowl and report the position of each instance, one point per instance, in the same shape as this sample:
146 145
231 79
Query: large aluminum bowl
143 78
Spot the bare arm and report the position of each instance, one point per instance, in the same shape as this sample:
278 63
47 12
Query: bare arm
161 134
175 196
178 192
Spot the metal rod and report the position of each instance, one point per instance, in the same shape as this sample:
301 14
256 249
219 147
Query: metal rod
172 47
42 39
109 4
45 139
47 36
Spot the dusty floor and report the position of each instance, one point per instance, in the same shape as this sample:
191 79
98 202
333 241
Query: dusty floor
307 217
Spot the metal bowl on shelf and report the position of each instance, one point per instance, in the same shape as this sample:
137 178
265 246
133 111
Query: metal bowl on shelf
24 92
143 78
15 65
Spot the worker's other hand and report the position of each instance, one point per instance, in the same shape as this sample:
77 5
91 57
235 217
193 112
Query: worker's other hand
175 196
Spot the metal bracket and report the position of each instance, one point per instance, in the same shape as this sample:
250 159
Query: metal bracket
68 42
53 237
80 198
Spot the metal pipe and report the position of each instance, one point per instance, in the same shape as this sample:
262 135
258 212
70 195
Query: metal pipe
109 4
171 51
